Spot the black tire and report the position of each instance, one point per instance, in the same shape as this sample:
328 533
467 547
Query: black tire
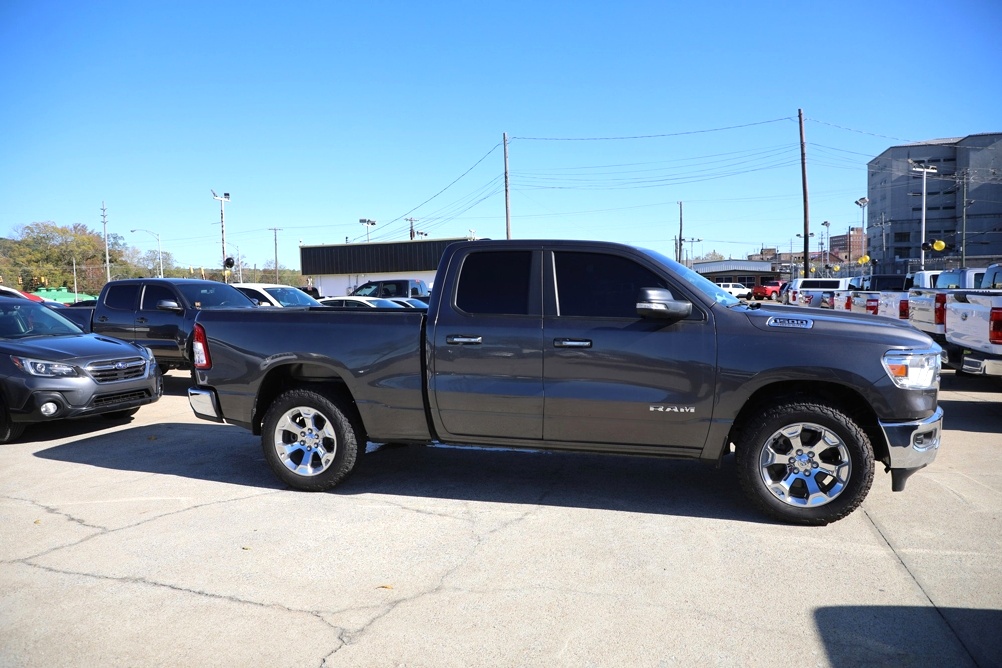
324 452
164 368
9 431
805 463
120 415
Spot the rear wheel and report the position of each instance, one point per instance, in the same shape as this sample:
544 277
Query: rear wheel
805 463
309 441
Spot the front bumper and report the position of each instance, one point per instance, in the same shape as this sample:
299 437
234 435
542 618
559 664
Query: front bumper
912 445
78 397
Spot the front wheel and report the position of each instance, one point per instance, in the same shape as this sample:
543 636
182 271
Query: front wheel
9 430
309 441
805 463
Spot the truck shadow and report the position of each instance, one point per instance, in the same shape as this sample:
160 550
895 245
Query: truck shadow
906 635
632 484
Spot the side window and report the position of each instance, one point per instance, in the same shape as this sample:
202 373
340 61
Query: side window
597 285
153 294
495 282
122 297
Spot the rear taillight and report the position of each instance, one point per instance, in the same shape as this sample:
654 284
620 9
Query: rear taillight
872 305
903 309
995 326
939 310
200 349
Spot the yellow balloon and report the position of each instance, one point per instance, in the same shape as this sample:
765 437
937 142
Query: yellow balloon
836 267
863 260
938 245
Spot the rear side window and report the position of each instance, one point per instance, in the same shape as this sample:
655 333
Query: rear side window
495 283
122 297
598 285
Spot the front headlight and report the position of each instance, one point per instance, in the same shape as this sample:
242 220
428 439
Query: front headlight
43 368
912 369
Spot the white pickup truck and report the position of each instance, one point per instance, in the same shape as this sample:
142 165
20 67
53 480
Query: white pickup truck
927 306
895 303
974 324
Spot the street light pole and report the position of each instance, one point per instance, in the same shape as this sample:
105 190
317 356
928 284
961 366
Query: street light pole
926 170
861 203
222 221
160 253
368 223
825 242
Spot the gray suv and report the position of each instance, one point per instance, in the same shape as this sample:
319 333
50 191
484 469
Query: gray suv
51 370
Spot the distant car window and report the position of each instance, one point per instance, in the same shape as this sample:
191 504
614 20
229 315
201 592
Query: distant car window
291 297
122 297
495 282
598 285
153 294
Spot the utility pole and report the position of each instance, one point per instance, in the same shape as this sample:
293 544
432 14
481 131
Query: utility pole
276 230
107 257
803 170
222 220
507 200
678 250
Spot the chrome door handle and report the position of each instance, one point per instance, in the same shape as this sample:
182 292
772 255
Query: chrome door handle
571 343
460 340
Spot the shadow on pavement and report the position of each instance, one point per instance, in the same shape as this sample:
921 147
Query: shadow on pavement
632 484
909 636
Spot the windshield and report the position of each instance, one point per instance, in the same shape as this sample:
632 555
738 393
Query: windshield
291 297
697 281
22 318
212 295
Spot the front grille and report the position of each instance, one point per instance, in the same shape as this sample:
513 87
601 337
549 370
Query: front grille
120 398
112 371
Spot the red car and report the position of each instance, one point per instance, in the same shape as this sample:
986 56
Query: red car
768 290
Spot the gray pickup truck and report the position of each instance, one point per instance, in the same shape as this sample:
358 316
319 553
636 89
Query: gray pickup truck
590 347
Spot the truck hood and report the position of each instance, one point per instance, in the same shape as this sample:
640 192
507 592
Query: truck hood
76 346
785 320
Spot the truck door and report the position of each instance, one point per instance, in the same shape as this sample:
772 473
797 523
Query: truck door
487 363
612 377
157 329
115 312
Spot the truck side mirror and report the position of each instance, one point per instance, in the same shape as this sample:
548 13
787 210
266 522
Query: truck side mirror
169 305
660 304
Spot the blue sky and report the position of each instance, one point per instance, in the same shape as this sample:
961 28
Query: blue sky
313 115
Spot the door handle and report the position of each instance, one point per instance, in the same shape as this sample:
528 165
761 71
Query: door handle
571 343
141 320
102 318
460 340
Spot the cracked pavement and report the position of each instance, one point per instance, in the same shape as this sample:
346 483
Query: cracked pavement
165 540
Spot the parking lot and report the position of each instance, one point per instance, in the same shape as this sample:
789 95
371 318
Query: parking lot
167 541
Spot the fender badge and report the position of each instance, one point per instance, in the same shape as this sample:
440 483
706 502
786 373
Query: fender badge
796 323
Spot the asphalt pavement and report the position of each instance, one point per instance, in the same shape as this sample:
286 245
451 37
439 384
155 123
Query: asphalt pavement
165 540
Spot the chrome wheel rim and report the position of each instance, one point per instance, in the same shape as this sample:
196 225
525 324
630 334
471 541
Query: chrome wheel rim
305 441
805 465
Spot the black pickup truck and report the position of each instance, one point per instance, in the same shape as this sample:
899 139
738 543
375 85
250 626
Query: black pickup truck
589 347
157 313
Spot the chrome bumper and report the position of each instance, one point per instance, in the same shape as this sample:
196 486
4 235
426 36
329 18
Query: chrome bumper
912 445
204 404
980 364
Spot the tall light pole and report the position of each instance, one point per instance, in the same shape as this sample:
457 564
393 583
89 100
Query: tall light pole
926 170
861 203
825 240
691 242
368 223
222 220
276 230
160 253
